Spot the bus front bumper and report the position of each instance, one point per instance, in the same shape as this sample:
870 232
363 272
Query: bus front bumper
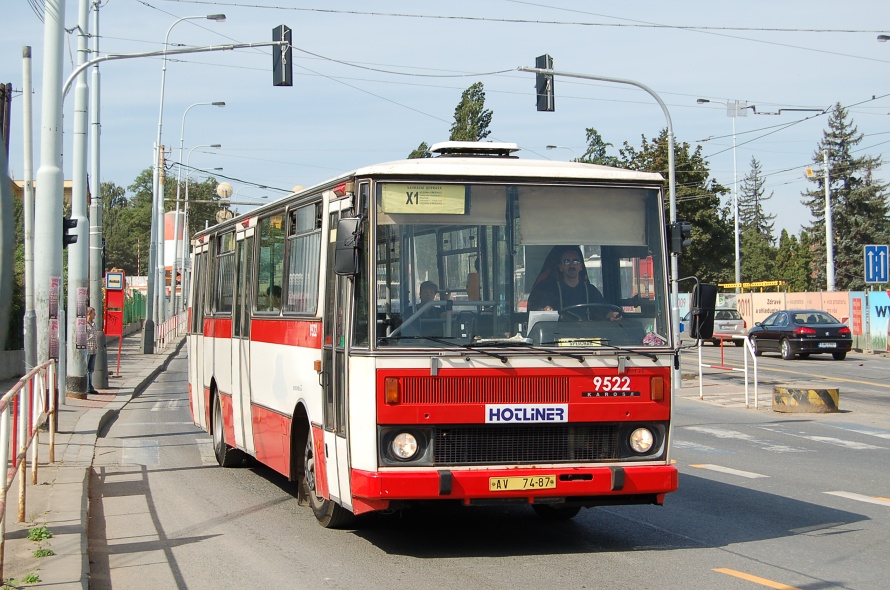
590 486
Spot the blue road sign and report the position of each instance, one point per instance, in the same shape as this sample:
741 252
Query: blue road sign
876 264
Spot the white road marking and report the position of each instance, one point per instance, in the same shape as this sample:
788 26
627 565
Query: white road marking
861 498
697 448
140 452
729 470
840 442
168 405
861 429
735 435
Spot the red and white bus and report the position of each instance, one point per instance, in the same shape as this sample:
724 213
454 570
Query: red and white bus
310 350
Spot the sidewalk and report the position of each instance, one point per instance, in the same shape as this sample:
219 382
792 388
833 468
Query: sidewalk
60 500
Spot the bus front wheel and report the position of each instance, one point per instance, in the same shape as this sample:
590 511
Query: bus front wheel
329 514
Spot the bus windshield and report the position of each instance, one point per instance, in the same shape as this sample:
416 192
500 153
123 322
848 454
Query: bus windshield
571 265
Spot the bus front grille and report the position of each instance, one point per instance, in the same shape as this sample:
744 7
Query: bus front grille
484 390
505 445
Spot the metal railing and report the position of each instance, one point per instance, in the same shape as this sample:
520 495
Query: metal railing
31 402
749 350
170 330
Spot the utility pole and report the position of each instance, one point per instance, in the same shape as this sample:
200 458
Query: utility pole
78 261
829 230
48 203
30 328
100 372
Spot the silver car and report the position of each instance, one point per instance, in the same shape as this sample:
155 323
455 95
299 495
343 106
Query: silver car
728 325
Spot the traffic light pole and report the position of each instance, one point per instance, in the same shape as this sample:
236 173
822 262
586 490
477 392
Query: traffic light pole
672 184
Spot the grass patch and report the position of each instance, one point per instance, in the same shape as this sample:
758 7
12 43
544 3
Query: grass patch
43 552
39 533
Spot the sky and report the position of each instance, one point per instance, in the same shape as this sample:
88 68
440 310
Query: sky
374 79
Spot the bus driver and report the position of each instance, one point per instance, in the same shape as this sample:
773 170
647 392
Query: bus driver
563 283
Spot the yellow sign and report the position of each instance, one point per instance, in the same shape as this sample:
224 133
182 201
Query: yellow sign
424 199
531 482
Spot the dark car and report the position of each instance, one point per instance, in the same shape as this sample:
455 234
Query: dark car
801 332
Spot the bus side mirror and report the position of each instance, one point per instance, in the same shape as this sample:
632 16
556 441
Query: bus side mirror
704 300
346 248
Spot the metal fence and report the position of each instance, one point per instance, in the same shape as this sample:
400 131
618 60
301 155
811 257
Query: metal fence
134 308
170 330
30 403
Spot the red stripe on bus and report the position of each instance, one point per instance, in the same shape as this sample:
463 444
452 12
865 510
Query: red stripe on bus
321 470
271 438
218 327
306 333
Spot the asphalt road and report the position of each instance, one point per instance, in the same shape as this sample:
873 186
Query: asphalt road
765 500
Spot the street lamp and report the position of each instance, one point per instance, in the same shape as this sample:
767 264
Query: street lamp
173 308
157 224
883 38
562 147
186 242
734 108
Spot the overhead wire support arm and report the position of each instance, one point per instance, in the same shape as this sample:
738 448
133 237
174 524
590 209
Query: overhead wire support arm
161 53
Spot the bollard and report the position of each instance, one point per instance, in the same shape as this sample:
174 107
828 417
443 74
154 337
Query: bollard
803 400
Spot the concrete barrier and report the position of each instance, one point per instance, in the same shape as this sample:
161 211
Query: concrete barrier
806 400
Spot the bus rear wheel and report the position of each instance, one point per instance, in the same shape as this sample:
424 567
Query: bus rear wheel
548 512
328 513
226 456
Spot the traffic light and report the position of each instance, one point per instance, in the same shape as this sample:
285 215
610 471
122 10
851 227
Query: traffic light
67 224
544 83
282 58
681 236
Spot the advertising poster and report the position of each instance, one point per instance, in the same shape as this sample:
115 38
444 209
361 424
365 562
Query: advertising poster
54 339
804 301
81 302
857 320
80 333
837 304
764 304
54 283
879 319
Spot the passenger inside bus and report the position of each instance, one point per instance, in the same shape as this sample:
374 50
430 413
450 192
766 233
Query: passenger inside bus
563 285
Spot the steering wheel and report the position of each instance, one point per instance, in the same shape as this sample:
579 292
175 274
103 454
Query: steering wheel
568 314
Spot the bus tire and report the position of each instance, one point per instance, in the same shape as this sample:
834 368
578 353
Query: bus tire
328 513
548 512
226 456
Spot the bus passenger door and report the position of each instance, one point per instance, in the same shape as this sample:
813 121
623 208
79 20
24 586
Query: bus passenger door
240 361
338 300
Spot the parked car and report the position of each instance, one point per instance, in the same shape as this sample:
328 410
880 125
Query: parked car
801 332
728 325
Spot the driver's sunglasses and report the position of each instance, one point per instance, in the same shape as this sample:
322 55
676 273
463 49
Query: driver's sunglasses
567 261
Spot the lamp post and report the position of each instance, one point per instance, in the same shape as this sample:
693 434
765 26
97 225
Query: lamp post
562 147
173 308
157 224
734 108
883 38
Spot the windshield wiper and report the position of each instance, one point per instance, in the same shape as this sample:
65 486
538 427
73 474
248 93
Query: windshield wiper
522 343
603 344
500 357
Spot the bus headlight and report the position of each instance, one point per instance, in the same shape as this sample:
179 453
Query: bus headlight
641 440
404 446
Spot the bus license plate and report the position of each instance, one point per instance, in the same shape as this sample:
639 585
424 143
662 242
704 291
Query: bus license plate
510 484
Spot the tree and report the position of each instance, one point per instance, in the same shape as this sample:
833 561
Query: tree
710 257
758 256
793 260
421 151
471 118
751 198
596 150
858 203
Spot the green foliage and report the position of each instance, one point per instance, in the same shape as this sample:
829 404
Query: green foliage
39 533
858 202
471 118
421 151
127 220
38 553
793 260
751 197
711 256
596 150
758 256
